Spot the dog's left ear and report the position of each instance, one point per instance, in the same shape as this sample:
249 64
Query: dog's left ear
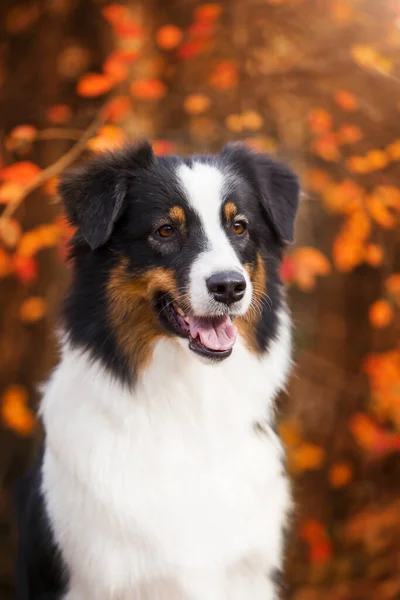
278 187
94 196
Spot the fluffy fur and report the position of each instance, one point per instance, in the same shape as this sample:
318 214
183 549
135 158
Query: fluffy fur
161 476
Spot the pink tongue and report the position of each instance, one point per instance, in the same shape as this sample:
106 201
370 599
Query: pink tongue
214 335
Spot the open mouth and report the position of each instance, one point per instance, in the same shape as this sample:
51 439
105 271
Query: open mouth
212 337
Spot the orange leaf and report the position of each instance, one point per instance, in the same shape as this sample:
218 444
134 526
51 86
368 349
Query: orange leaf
252 120
321 553
6 265
116 68
382 203
126 55
195 104
374 255
11 192
43 236
163 147
376 159
364 431
393 285
348 252
341 11
393 150
349 134
357 226
14 410
191 49
33 309
346 100
307 264
326 146
312 531
19 172
306 457
201 29
380 314
234 123
109 137
207 12
59 114
357 164
94 84
169 36
368 58
224 76
320 121
10 232
118 108
23 133
344 197
115 13
128 29
148 89
26 268
289 431
340 475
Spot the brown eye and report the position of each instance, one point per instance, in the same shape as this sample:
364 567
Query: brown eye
239 227
165 231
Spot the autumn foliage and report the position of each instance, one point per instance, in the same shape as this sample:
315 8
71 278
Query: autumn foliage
317 83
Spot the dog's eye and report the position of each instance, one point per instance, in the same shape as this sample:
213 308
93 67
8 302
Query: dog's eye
239 227
165 231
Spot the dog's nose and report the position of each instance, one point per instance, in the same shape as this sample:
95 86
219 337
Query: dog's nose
227 287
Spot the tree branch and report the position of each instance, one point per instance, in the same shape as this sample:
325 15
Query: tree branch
55 169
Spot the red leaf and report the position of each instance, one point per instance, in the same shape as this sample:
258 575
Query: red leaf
94 84
21 172
26 268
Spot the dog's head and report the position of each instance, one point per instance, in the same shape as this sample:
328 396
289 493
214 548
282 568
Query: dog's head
173 246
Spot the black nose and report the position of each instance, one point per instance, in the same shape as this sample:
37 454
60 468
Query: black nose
227 287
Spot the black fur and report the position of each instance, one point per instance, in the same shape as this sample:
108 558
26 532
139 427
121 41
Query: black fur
40 574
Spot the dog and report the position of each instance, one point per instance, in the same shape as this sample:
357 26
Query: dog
162 475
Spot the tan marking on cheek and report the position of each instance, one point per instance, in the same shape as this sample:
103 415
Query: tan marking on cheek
247 325
230 211
177 214
132 318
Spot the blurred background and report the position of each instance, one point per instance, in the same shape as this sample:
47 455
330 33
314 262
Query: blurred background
318 83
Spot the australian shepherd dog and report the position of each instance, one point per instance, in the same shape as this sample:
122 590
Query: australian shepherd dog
162 475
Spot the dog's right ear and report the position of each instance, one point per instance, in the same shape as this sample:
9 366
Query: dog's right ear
94 195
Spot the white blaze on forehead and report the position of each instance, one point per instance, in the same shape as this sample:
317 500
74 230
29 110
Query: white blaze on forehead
206 188
204 185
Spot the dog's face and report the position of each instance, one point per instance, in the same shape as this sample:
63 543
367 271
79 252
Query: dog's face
184 247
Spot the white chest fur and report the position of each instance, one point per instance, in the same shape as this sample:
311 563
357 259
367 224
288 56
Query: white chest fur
169 491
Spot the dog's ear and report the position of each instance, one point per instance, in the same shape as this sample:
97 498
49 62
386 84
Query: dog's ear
94 195
278 187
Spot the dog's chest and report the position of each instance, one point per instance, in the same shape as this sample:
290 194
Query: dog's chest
182 481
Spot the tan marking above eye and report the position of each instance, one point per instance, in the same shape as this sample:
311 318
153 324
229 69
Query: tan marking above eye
177 214
230 211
